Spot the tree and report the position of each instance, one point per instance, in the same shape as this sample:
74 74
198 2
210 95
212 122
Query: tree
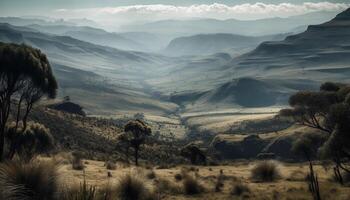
25 77
135 134
327 110
194 154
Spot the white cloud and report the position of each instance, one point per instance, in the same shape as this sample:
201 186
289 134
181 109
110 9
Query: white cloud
219 11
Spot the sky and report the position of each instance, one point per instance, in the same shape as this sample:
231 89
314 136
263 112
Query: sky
130 11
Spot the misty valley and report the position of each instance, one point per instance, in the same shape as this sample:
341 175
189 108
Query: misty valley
175 108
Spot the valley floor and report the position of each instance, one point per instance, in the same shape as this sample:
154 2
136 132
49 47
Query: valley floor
291 185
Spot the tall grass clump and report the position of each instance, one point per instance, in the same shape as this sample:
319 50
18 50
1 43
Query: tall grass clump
266 171
27 181
239 189
131 188
191 186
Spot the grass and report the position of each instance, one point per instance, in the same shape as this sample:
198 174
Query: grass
191 186
239 189
265 171
131 188
34 180
110 165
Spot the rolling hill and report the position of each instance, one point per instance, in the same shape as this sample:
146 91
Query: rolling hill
101 79
92 35
206 44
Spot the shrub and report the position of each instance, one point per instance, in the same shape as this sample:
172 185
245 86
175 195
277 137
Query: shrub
219 183
191 186
178 177
151 174
131 188
166 186
239 188
20 180
110 165
77 162
265 171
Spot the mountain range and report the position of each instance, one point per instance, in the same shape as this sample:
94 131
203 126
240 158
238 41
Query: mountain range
107 79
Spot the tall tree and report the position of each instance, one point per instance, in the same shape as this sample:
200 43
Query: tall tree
327 110
135 134
25 77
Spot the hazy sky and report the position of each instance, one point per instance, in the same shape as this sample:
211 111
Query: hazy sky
126 11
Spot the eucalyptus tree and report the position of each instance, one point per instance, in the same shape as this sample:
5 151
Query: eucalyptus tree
135 134
25 77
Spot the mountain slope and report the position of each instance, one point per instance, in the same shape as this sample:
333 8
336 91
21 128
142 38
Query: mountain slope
320 50
205 44
101 79
93 35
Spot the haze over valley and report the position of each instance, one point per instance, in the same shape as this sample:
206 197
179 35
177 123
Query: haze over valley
213 77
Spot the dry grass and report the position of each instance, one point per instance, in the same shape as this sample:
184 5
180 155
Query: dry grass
168 188
265 171
34 180
111 165
191 186
239 189
132 188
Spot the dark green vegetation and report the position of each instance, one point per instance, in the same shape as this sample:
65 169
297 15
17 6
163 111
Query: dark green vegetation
25 77
328 111
135 133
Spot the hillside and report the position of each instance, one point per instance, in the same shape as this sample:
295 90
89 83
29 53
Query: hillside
205 44
84 70
92 35
321 51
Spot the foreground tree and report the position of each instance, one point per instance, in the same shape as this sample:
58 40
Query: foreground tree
25 77
135 134
327 110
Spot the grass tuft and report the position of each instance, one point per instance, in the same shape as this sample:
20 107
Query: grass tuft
31 180
266 171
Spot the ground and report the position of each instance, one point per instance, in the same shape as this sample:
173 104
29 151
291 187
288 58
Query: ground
291 185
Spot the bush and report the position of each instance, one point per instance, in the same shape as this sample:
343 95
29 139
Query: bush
20 180
110 165
166 186
151 174
77 162
191 186
178 177
219 183
131 188
265 171
239 189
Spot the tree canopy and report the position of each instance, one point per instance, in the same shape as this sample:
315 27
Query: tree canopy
25 77
327 110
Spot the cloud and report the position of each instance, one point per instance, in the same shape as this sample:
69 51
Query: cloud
215 10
